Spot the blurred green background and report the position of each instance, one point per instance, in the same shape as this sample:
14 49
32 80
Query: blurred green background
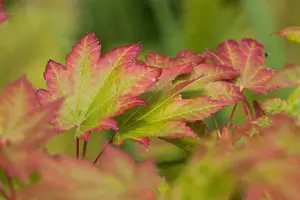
38 30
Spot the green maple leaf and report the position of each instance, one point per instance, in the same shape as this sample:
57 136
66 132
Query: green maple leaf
169 111
96 88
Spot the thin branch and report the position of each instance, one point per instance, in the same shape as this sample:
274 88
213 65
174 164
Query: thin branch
77 148
231 115
104 147
84 148
216 126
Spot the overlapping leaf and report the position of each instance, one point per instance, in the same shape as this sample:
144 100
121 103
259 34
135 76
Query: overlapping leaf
248 59
183 58
289 76
116 176
270 162
22 121
96 88
169 110
17 162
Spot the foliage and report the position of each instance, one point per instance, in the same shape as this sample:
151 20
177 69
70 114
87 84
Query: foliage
159 102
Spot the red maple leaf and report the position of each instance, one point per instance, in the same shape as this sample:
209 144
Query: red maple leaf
248 59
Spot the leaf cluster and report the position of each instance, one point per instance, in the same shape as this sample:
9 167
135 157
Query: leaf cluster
155 102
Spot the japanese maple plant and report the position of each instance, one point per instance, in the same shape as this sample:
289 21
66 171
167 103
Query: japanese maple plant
158 98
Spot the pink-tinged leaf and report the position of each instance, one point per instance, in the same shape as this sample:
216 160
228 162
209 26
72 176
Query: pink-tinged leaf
224 91
95 88
255 192
167 129
189 110
183 58
248 59
167 106
215 72
292 33
17 162
22 121
285 78
211 83
187 53
115 176
170 74
3 15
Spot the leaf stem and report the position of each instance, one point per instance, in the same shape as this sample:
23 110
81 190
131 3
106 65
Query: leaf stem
84 148
77 148
216 125
103 149
206 127
3 191
231 115
247 110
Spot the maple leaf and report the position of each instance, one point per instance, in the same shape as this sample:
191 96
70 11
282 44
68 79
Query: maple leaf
285 77
248 59
22 121
274 106
95 88
292 33
115 176
183 58
17 162
169 112
3 14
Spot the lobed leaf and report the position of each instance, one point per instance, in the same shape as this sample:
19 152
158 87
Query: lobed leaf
171 107
248 59
95 88
183 57
22 121
116 176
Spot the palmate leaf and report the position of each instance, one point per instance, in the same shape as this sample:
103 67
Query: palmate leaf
169 111
116 176
22 121
3 14
96 88
248 59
